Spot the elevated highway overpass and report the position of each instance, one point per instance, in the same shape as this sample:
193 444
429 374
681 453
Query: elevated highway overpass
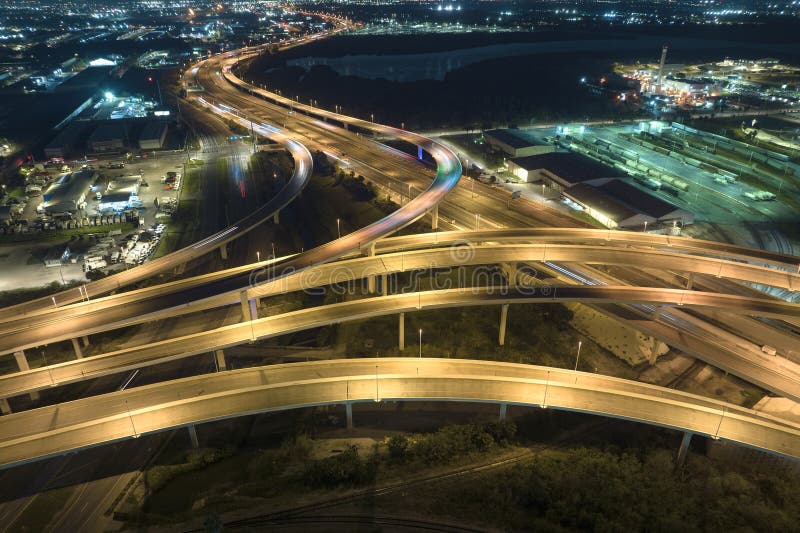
252 328
50 431
272 278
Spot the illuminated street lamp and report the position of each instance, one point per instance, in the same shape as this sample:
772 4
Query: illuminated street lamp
420 342
258 256
339 227
580 343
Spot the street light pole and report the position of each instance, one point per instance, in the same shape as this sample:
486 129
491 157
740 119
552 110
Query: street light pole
258 257
339 227
580 343
420 342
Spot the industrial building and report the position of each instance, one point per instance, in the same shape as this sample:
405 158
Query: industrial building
616 203
514 145
68 193
69 139
559 170
153 135
121 194
107 138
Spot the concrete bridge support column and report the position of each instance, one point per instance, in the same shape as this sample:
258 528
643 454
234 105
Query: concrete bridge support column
501 339
510 270
684 449
276 218
348 407
503 412
371 278
85 340
219 356
246 308
384 284
223 251
5 408
193 436
402 332
22 362
435 217
77 347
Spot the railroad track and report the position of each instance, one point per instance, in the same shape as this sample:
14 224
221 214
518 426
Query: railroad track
346 522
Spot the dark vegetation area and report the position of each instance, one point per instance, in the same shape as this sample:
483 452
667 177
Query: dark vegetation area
577 473
591 489
497 92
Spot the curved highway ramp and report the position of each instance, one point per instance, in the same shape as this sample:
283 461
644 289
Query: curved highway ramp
80 424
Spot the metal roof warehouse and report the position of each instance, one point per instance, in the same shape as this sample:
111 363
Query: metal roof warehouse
618 204
67 193
560 169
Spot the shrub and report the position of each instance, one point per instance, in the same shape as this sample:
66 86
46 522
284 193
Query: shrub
347 468
398 447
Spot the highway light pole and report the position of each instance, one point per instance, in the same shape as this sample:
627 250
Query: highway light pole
339 227
477 221
420 342
578 356
258 257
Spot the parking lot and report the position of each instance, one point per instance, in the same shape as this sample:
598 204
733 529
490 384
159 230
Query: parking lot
98 239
